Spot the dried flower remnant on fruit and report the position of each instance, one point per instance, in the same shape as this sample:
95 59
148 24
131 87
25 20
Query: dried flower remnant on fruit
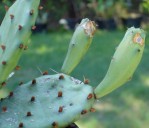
138 39
89 28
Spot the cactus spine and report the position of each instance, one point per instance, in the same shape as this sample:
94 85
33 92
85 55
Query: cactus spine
124 62
15 31
79 45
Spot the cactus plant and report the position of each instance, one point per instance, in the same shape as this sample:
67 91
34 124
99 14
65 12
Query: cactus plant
15 31
55 101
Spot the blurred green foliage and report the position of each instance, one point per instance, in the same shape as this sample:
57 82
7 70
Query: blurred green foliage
145 7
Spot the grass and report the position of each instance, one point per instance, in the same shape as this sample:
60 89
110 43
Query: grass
127 107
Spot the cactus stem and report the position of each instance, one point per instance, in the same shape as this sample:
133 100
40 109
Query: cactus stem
32 99
11 16
33 82
29 114
90 96
60 94
60 109
31 12
61 77
127 56
4 109
84 112
20 27
21 125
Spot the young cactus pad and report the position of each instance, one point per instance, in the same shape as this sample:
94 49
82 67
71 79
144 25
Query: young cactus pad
15 31
79 45
50 101
124 62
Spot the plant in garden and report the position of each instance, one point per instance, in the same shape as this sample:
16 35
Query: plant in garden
55 101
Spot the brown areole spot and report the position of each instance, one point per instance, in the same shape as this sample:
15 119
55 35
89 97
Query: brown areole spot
3 83
84 112
61 77
90 96
33 82
31 12
60 109
11 16
29 114
4 109
21 125
60 94
10 94
32 99
55 125
3 47
21 46
20 27
4 63
17 67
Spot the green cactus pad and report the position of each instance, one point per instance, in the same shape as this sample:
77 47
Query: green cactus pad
124 62
79 45
15 31
50 101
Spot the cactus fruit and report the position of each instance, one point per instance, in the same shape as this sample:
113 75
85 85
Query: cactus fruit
79 45
124 62
50 101
15 31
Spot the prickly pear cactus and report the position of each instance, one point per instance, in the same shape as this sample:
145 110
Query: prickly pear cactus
55 101
79 44
124 62
15 31
50 101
